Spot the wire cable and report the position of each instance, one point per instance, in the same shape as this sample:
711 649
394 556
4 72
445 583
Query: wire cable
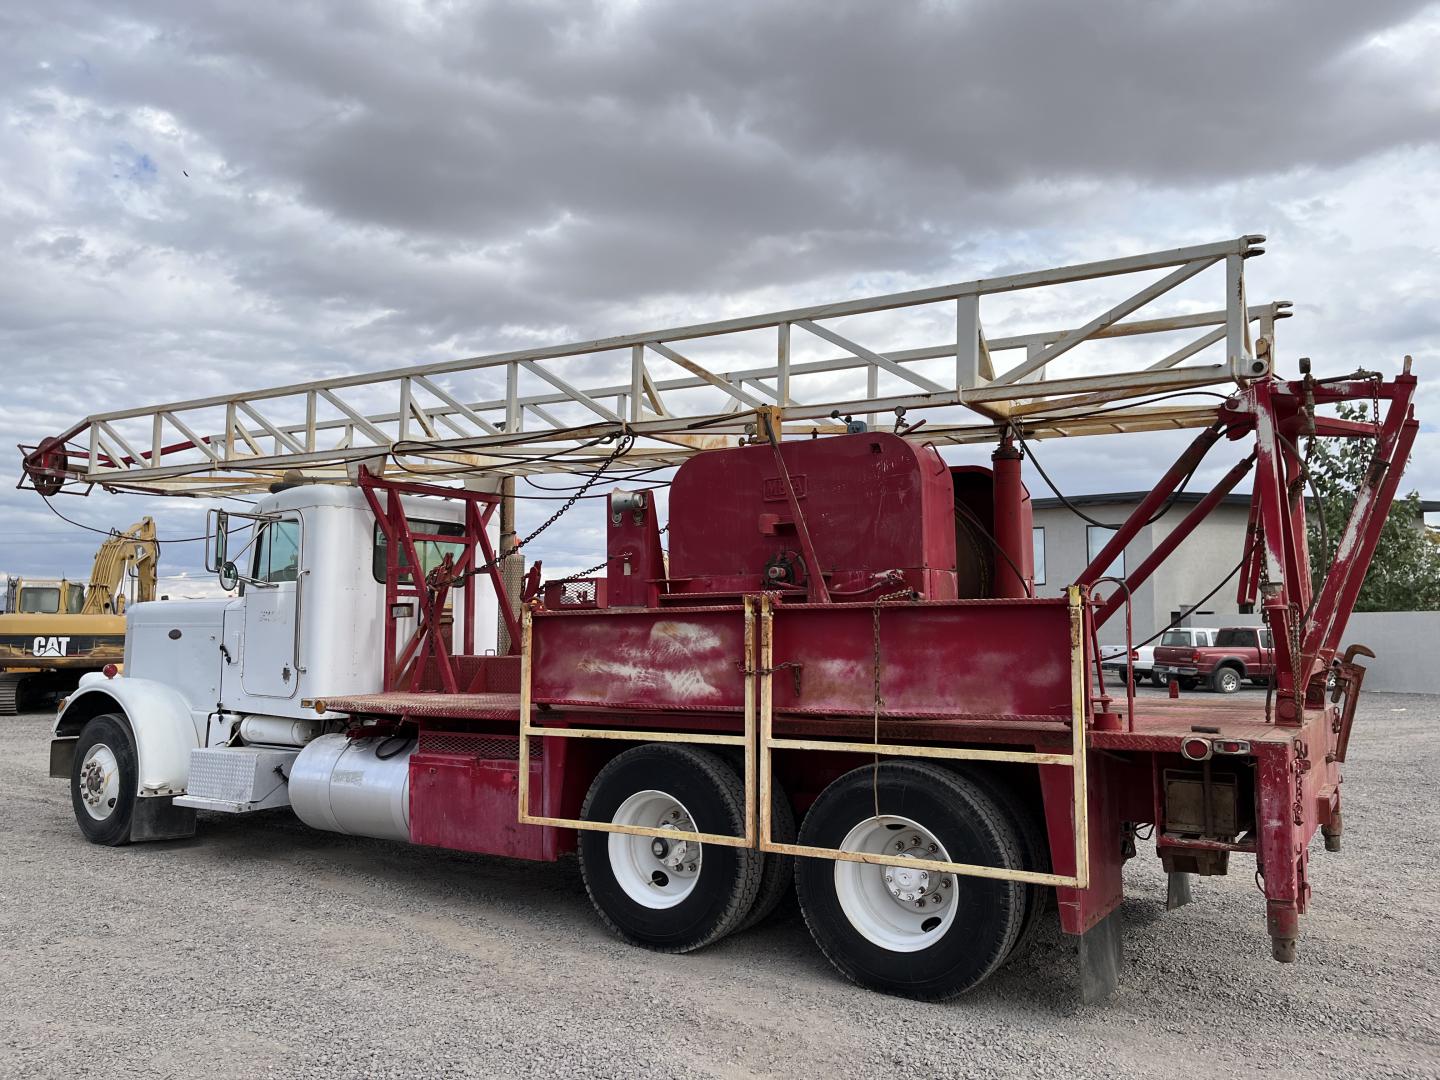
117 532
1169 503
1203 600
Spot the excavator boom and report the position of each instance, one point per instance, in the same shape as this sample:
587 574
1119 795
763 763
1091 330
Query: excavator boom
136 549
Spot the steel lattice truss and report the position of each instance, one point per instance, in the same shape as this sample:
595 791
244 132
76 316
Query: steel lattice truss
547 409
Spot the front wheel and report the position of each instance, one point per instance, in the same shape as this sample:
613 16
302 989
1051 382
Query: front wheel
103 779
670 895
906 929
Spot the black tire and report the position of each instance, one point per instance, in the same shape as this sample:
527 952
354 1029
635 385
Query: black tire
105 820
777 872
1225 680
1029 824
1188 682
985 915
1156 679
724 891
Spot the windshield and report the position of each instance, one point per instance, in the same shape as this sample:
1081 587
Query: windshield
40 600
1176 637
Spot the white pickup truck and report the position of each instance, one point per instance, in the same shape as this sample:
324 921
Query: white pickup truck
1143 658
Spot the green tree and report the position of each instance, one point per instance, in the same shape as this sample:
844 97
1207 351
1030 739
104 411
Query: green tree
1404 575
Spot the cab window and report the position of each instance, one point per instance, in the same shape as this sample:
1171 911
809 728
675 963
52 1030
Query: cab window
1176 637
431 553
277 552
75 601
40 600
1235 639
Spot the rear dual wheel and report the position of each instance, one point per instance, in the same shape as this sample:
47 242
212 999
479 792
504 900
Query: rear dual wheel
909 929
659 891
906 929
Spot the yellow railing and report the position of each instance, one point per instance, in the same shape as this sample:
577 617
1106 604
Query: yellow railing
759 714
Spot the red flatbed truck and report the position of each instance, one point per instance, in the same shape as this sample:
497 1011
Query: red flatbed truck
813 683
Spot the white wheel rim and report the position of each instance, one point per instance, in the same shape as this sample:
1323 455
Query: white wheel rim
899 908
99 781
655 872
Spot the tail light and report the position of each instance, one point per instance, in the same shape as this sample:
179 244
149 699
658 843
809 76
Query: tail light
1194 656
1193 749
1134 654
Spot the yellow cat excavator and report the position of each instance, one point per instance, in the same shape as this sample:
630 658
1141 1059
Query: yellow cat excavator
54 630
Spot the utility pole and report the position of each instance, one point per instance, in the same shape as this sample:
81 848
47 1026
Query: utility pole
512 567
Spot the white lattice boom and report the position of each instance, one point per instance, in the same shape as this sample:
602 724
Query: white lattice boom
544 409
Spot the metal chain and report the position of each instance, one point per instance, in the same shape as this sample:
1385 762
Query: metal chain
625 443
579 574
598 566
879 702
1294 634
1301 766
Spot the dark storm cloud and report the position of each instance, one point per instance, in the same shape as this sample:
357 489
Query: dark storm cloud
372 183
721 125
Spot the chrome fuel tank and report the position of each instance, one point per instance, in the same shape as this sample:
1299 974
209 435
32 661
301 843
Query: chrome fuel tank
346 786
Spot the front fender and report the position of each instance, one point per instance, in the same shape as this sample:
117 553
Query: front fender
164 728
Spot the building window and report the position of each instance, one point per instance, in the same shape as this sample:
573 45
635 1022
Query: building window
1037 535
1096 537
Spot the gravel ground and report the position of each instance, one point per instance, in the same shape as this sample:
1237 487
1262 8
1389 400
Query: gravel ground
261 948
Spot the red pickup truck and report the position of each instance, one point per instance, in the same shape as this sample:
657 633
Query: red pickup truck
1239 653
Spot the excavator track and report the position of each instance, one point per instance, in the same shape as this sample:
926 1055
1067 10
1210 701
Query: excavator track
10 694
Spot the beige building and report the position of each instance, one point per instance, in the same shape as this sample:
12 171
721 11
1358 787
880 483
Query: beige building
1065 544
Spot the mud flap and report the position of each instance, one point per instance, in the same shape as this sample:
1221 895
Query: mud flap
1178 891
1101 956
62 756
158 818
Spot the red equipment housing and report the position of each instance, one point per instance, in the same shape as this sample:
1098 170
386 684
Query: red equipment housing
897 616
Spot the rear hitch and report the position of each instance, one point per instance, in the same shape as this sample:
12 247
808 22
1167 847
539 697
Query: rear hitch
1332 830
1282 920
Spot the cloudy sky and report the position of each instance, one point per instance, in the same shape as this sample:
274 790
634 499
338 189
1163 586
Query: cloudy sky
202 197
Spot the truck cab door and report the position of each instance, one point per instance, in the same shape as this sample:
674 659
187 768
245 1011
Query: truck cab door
271 666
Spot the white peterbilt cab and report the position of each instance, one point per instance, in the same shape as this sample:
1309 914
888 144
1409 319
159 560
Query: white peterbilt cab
215 709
